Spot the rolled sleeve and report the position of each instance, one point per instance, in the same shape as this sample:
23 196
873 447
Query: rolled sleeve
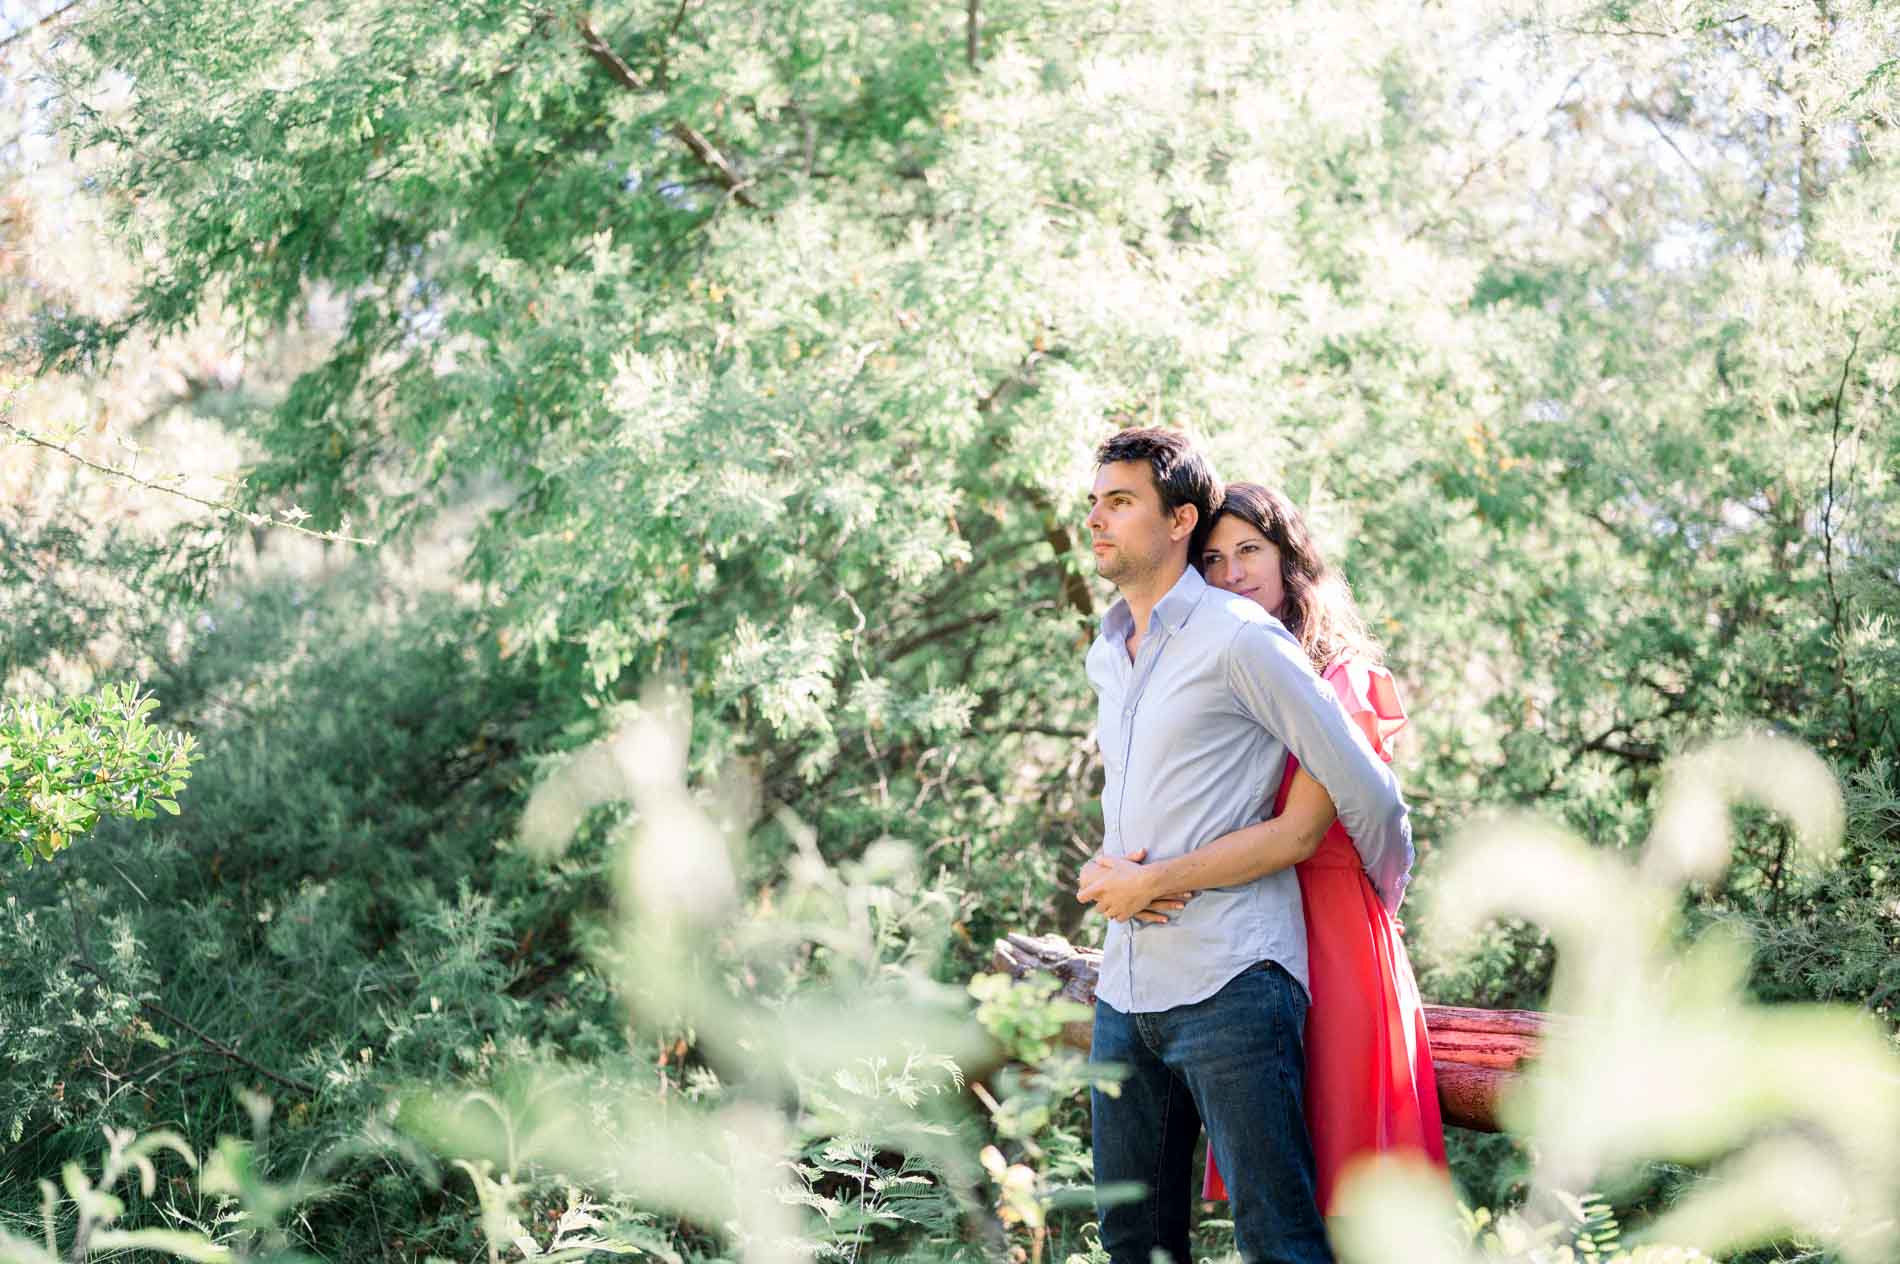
1272 682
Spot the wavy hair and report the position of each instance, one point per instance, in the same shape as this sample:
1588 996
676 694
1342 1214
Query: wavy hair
1318 608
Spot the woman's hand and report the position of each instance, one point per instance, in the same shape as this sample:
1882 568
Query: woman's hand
1122 888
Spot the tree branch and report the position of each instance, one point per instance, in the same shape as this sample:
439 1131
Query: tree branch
701 148
1648 116
930 636
223 1050
1827 548
210 1042
718 163
31 27
1074 588
1043 730
1492 157
218 506
1631 754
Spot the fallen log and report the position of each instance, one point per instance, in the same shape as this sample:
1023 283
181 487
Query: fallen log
1476 1053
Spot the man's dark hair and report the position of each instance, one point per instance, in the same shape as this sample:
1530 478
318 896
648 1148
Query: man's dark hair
1181 473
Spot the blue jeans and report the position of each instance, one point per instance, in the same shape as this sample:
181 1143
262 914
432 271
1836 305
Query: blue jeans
1235 1062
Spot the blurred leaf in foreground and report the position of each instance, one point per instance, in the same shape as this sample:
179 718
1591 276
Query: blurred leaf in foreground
1794 1110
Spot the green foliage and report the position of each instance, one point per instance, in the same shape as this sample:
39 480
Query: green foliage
1585 1231
64 768
1794 1111
761 348
821 1044
72 595
251 1230
1037 1111
772 340
63 1016
333 909
1025 1016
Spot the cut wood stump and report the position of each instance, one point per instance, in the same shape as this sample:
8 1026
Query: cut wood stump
1476 1053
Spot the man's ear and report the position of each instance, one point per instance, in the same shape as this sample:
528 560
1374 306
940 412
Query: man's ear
1186 518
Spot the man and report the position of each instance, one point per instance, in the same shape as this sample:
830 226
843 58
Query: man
1201 694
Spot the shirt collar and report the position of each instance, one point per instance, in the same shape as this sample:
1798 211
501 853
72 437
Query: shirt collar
1181 600
1173 609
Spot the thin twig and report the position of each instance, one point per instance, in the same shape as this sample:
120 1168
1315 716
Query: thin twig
86 963
1827 547
1650 118
221 507
1478 168
27 30
210 1042
1629 32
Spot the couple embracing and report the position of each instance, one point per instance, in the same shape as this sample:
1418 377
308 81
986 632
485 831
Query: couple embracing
1253 981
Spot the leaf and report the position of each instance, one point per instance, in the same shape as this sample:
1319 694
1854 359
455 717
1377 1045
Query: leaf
174 1242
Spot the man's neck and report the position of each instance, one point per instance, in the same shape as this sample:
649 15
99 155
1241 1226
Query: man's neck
1145 594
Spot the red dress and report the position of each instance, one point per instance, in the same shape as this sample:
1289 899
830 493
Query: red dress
1369 1081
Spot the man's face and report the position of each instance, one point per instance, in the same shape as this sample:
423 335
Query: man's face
1132 535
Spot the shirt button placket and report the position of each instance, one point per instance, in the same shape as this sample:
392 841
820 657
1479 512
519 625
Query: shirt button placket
1134 923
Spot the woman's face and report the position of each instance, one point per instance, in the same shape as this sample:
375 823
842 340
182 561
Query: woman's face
1239 560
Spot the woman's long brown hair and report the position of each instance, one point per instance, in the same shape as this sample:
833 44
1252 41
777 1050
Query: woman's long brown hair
1318 609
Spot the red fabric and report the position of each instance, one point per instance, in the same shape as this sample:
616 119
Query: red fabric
1369 1081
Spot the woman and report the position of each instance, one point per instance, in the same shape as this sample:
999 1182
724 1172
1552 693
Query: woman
1369 1081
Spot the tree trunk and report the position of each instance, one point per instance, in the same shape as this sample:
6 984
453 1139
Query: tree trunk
1476 1053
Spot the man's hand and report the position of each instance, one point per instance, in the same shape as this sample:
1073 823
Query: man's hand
1121 888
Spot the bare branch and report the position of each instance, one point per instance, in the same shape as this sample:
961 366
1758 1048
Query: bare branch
31 27
702 149
1042 730
209 1041
721 166
220 507
1827 549
1632 753
1482 164
85 962
1648 116
930 636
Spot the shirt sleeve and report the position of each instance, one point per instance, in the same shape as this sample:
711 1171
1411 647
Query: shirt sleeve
1272 682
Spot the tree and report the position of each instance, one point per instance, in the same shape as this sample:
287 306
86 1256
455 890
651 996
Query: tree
766 345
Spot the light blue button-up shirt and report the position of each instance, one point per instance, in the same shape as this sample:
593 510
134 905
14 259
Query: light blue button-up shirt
1194 734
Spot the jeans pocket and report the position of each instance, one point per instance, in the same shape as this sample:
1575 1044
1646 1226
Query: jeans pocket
1285 1000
